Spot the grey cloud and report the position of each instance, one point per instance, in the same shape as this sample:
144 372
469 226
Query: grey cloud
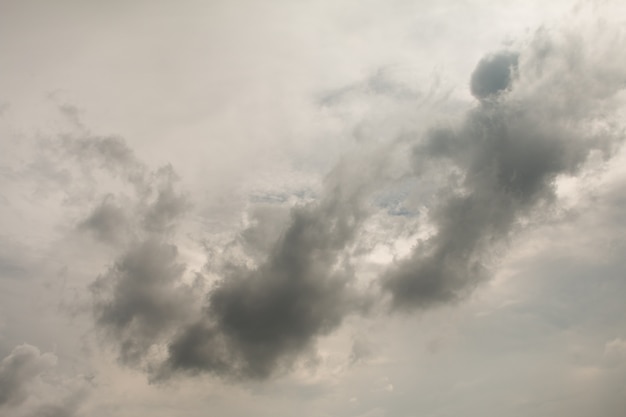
258 320
19 370
501 162
267 223
504 160
493 74
112 154
140 298
156 205
108 222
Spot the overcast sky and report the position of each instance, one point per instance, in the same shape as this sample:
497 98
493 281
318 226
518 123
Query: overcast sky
316 208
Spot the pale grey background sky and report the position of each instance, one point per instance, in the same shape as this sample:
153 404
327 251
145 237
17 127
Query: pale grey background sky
317 208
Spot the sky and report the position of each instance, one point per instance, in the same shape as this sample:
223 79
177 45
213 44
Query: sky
317 208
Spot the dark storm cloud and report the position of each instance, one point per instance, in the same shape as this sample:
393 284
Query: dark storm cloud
503 161
19 370
381 83
140 298
268 314
258 320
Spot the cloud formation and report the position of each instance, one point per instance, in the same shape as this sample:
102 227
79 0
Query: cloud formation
140 297
493 74
502 163
256 321
532 124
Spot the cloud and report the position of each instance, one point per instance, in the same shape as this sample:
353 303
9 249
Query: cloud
502 163
18 372
30 387
531 125
258 320
157 203
140 298
110 153
168 205
493 74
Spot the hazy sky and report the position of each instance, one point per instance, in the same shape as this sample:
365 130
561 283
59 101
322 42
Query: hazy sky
316 208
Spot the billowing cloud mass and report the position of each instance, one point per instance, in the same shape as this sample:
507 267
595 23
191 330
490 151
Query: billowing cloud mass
532 125
503 161
493 74
255 320
258 320
140 297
